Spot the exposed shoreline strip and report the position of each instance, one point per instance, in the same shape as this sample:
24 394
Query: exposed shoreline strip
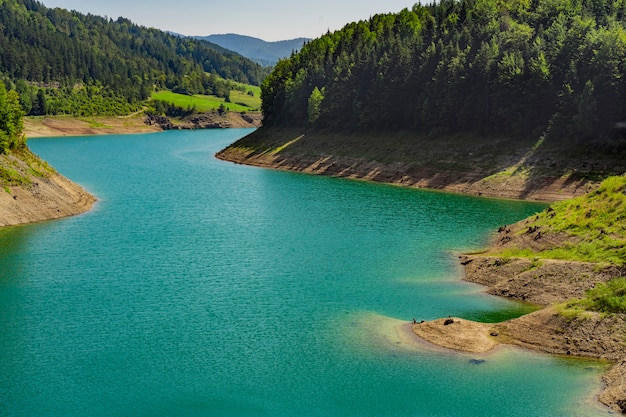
510 183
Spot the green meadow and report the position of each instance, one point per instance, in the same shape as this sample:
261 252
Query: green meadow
240 101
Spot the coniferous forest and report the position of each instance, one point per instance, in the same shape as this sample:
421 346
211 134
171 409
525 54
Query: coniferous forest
65 62
553 68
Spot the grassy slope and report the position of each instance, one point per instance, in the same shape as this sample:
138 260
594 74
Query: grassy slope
21 167
594 226
590 228
239 101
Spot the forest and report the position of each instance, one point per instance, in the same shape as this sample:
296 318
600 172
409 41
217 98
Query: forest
65 62
11 123
546 68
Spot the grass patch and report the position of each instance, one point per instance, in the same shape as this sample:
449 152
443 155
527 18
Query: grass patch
596 252
534 264
571 311
20 167
506 174
603 210
10 176
37 166
509 253
281 148
253 102
93 123
608 298
596 222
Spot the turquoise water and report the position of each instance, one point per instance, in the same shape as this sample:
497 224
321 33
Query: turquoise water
196 287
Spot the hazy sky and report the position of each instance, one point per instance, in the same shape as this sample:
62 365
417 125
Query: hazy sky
270 20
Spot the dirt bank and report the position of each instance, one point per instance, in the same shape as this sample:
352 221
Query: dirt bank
42 195
45 126
471 182
49 126
546 283
502 168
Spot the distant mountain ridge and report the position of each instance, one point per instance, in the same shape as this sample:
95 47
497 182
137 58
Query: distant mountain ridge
258 50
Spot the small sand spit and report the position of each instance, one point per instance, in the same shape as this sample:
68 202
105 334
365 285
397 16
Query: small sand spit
589 335
457 334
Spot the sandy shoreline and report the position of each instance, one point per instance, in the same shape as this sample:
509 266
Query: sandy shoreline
55 126
458 334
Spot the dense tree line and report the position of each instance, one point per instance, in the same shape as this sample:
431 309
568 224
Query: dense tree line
164 108
209 84
11 123
514 67
57 48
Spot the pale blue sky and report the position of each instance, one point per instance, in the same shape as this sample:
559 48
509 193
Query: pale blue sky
270 20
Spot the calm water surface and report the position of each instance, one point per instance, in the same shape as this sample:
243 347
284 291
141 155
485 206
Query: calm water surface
197 287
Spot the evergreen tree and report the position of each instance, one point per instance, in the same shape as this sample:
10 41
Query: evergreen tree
315 103
42 106
11 121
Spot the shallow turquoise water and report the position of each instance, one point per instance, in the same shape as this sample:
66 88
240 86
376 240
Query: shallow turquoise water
196 287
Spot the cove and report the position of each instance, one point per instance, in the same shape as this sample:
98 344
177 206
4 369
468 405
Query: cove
196 287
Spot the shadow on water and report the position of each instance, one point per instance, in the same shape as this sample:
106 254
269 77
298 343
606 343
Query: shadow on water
14 242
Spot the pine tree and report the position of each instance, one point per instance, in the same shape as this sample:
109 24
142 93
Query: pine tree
11 121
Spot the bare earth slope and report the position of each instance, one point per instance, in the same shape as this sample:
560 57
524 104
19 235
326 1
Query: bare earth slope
503 168
41 195
36 127
136 123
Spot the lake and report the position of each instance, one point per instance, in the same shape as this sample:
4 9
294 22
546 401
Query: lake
197 287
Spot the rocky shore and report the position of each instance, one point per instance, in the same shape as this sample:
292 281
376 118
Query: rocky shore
209 120
50 126
547 284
